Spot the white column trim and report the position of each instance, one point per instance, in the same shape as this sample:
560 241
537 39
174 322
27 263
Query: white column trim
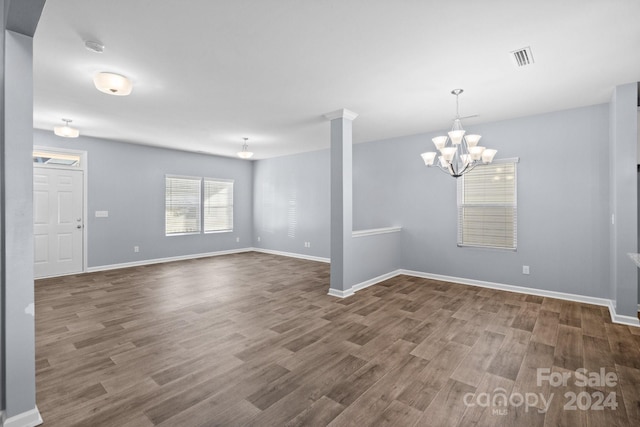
30 418
341 114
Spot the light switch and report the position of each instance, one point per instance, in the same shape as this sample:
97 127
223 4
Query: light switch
102 214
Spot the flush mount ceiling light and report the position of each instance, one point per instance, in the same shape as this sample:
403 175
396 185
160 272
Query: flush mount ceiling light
245 153
459 153
112 83
66 131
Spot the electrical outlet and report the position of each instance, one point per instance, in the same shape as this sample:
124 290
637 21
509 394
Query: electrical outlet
258 238
237 239
525 269
136 249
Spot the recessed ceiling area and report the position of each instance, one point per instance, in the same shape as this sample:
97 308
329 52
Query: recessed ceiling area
207 73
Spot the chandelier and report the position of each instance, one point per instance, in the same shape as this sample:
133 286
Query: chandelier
459 153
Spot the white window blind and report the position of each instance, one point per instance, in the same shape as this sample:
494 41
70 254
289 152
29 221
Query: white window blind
487 206
182 205
218 205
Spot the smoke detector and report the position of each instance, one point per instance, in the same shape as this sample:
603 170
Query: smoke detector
94 46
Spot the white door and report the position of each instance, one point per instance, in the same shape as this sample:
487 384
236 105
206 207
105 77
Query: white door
58 223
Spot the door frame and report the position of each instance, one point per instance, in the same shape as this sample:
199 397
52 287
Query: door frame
85 171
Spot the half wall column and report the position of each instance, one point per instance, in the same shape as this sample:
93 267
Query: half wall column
341 199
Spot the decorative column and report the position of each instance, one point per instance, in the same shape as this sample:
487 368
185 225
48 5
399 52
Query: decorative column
341 199
20 18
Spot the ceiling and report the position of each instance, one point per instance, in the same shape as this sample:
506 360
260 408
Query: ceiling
208 73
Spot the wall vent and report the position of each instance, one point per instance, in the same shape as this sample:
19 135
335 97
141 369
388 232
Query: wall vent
522 57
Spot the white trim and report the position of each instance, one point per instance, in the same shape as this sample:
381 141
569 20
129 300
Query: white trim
510 288
168 259
292 255
619 318
84 167
616 318
341 114
30 418
359 286
506 160
375 280
375 231
340 294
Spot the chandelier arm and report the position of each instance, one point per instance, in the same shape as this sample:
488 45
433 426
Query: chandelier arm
446 171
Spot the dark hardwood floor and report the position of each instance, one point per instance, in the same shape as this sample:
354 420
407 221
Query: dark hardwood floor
254 339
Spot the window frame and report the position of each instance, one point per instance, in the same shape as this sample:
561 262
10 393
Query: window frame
184 177
219 180
201 205
461 205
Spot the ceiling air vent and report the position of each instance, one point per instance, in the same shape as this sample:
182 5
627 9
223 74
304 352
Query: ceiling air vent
522 57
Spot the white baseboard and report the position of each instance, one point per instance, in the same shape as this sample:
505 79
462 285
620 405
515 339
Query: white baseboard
375 280
355 288
292 255
616 318
168 259
30 418
340 294
510 288
619 318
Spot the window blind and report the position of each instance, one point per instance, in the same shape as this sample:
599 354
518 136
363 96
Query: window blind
182 205
487 206
218 205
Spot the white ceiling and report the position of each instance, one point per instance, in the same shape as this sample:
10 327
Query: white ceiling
207 73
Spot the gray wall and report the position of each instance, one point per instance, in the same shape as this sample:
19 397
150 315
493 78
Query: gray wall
291 203
562 201
19 20
562 206
19 348
129 181
623 201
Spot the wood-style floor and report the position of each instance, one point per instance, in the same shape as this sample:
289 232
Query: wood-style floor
253 339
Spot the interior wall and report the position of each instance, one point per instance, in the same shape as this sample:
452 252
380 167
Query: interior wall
562 184
292 203
128 180
562 201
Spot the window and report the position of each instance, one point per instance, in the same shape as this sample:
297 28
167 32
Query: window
51 158
182 205
193 204
218 205
487 206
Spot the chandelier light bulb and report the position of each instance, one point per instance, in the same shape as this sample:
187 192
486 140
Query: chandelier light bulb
459 152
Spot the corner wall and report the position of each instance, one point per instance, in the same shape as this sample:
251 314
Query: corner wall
128 180
291 204
563 214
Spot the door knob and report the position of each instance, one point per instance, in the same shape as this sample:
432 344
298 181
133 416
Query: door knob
79 226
